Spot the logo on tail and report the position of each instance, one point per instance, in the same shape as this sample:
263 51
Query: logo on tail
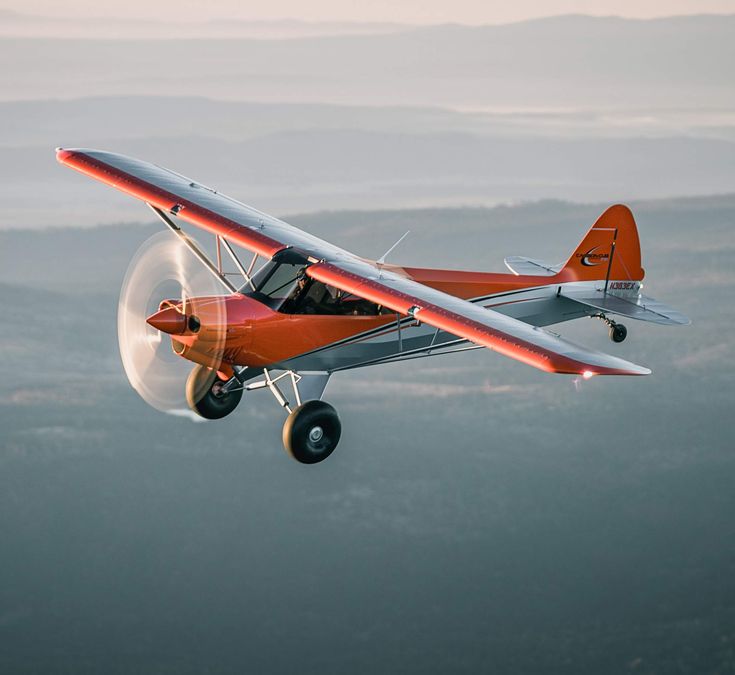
590 259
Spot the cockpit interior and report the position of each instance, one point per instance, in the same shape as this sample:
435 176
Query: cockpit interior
283 285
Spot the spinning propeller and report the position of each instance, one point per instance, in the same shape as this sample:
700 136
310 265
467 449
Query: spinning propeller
169 304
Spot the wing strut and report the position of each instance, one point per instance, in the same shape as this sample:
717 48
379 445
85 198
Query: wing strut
246 274
194 249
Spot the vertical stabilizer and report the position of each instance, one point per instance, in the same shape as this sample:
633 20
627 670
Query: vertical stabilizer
610 251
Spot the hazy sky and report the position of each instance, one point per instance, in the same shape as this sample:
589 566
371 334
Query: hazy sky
411 11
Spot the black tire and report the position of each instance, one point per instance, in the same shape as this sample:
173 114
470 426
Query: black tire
311 432
618 332
204 397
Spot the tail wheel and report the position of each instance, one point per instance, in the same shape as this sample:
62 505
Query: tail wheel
618 332
205 396
311 432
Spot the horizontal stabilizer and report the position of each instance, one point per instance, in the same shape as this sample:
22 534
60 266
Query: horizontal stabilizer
637 307
521 265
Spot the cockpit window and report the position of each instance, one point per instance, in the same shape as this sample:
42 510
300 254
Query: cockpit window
274 282
314 297
286 288
281 282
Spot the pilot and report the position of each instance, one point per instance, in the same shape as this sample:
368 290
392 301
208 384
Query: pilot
300 286
302 301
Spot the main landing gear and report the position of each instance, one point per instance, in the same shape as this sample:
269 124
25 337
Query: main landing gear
311 432
312 429
617 331
206 395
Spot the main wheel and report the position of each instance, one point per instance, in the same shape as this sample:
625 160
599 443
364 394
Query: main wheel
311 432
618 332
205 397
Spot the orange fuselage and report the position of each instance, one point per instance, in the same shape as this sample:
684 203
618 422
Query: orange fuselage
249 333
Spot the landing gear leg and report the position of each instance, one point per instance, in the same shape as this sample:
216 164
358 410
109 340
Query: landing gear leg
312 429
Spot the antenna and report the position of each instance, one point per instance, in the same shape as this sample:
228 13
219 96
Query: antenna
381 260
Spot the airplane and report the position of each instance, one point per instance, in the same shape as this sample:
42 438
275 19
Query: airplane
312 309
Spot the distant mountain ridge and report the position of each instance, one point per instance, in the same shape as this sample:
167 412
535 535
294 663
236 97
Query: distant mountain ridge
311 170
565 62
20 24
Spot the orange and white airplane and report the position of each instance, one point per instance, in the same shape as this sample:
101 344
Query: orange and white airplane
312 308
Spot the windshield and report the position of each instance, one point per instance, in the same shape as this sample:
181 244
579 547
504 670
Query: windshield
274 282
281 281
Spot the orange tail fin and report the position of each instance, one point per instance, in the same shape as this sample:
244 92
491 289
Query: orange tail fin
611 250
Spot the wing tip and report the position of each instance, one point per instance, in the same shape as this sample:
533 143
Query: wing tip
62 155
629 369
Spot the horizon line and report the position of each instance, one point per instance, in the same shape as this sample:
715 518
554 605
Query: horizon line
9 13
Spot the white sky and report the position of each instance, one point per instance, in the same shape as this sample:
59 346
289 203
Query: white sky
404 11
